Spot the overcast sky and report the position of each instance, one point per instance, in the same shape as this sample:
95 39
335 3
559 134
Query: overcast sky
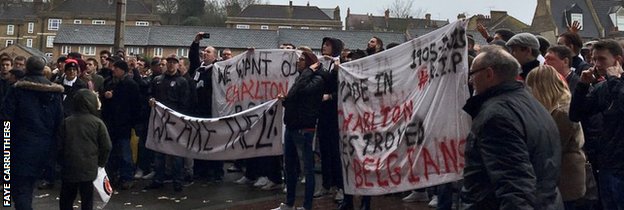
439 9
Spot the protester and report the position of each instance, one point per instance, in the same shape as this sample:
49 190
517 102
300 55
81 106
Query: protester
15 75
19 62
172 90
145 156
302 107
84 146
560 57
120 105
549 88
34 109
226 54
105 60
90 75
72 84
605 99
525 48
501 34
327 131
574 42
375 45
513 152
201 71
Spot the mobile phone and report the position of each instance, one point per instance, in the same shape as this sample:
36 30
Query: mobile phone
206 36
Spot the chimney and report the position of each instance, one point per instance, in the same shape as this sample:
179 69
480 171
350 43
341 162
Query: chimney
428 20
308 4
497 15
291 10
387 14
348 11
337 13
463 16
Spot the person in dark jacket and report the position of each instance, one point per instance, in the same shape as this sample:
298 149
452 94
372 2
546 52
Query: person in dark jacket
172 90
575 43
525 48
71 83
200 70
302 109
607 100
328 134
33 109
513 151
89 75
120 105
84 145
560 57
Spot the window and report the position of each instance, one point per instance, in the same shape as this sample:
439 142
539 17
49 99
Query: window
87 50
305 27
618 19
77 22
239 26
10 29
158 51
53 24
142 23
577 17
280 27
135 50
325 28
29 42
31 28
182 52
8 42
98 22
65 49
264 27
50 41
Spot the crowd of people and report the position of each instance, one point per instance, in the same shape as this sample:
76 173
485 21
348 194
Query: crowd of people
547 124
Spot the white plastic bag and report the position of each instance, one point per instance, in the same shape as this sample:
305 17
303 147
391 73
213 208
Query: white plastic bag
103 188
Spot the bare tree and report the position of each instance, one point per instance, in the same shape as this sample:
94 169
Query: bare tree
167 6
242 3
401 8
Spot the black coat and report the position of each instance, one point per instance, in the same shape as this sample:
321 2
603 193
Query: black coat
201 73
33 107
513 152
172 91
68 94
120 113
607 101
302 104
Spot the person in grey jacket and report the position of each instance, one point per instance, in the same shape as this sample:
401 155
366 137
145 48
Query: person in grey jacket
513 150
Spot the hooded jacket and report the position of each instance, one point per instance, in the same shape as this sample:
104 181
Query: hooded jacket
33 107
84 144
513 152
328 118
303 101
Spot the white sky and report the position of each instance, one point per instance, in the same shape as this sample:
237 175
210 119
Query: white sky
439 9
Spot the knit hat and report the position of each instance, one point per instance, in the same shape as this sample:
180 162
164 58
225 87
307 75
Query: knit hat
122 65
71 63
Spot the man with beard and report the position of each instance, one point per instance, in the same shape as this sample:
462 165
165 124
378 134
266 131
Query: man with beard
375 45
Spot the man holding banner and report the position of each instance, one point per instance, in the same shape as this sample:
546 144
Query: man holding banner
172 90
302 106
513 152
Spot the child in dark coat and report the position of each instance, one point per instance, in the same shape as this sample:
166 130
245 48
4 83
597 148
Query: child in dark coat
84 146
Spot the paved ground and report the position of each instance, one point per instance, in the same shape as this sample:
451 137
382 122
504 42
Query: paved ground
209 196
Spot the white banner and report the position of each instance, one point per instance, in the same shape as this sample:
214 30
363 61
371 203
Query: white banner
400 113
253 132
252 78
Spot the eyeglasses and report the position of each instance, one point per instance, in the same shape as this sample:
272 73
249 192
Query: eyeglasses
476 71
